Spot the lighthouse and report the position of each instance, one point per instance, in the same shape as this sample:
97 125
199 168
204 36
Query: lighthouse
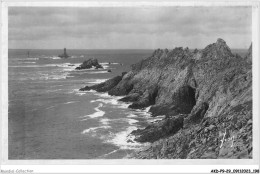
64 55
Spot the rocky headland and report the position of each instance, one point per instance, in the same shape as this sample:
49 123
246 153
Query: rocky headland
90 63
205 95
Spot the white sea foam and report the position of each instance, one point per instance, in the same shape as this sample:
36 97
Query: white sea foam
50 107
97 81
69 76
104 63
80 93
124 105
109 153
155 119
107 63
144 112
96 72
93 129
112 100
54 57
71 102
30 58
55 86
124 140
105 66
29 62
132 121
84 119
67 66
27 66
55 90
147 109
108 101
104 121
104 95
98 113
49 57
131 115
61 65
53 76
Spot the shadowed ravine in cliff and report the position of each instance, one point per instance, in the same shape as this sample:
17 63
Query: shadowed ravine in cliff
206 96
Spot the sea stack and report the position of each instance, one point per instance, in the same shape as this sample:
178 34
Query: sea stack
90 63
64 55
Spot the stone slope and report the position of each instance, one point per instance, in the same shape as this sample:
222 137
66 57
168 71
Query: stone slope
210 89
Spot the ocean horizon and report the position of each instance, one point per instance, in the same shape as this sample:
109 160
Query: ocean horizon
44 95
49 118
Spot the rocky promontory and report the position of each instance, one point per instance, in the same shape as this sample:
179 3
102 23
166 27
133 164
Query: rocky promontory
205 95
90 63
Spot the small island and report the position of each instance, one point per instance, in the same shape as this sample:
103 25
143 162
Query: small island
90 63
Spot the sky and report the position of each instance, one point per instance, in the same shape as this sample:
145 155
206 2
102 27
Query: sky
127 27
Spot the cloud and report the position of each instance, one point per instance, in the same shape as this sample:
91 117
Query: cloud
107 27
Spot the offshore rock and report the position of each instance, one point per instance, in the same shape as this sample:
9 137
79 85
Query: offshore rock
90 63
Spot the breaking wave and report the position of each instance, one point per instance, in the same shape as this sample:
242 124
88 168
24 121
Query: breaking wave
94 129
98 113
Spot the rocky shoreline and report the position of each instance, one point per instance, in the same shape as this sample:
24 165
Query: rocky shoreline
205 95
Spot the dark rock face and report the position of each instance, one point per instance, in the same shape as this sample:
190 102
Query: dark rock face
105 86
131 97
211 87
204 140
87 64
197 114
159 130
147 99
219 124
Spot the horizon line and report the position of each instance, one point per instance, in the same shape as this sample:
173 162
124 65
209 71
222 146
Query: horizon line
105 48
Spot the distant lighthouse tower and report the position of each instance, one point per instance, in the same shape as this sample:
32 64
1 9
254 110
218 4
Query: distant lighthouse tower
64 55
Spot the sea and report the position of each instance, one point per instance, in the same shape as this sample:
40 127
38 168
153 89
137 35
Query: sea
49 118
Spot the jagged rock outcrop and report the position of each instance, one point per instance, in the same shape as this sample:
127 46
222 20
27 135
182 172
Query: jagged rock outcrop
105 86
158 130
87 64
211 87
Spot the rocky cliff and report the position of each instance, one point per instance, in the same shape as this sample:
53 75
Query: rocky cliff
206 96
